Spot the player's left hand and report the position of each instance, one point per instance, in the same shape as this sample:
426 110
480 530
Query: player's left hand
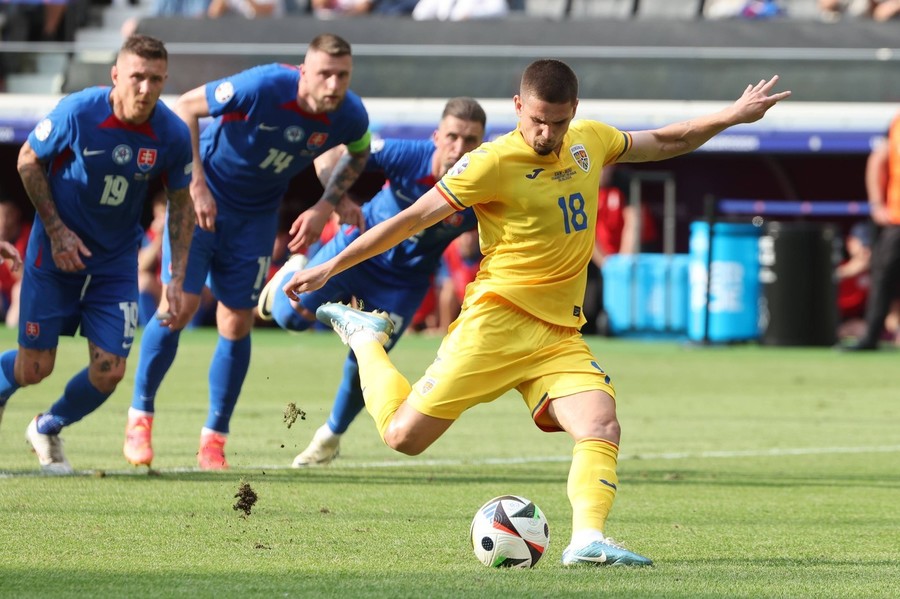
350 213
9 252
174 317
67 249
307 228
757 100
308 279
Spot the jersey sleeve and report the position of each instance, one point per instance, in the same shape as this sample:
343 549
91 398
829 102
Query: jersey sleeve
55 132
178 175
472 180
385 154
361 143
614 141
358 132
235 93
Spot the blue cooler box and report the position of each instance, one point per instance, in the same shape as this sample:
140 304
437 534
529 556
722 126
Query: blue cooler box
734 290
646 293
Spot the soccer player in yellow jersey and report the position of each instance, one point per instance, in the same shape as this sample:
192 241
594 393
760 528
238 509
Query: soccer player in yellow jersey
534 192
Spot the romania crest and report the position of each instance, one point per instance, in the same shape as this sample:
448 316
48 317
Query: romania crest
581 157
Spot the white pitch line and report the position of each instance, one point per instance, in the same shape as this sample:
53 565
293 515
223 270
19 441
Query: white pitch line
421 463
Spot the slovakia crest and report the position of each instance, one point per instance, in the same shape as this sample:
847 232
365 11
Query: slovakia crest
32 330
316 140
146 158
581 157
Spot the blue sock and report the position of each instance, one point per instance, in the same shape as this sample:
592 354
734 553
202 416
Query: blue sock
79 399
283 312
146 307
48 424
348 402
158 348
8 384
226 377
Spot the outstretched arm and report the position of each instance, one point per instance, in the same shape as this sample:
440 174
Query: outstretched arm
424 212
680 138
66 246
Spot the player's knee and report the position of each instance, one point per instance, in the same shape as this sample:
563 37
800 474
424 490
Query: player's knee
33 376
39 366
106 377
603 428
234 324
405 441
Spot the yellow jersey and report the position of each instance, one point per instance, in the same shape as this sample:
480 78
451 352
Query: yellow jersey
536 217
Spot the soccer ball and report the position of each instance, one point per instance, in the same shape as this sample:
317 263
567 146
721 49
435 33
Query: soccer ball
509 532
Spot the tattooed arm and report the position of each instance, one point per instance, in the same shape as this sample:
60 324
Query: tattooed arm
181 228
308 226
67 247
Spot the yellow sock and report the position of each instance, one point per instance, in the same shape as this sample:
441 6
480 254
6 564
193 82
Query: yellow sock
592 483
383 387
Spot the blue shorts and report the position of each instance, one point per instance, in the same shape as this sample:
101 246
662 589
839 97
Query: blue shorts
366 282
233 261
104 306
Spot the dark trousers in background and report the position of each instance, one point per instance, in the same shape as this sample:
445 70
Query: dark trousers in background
885 275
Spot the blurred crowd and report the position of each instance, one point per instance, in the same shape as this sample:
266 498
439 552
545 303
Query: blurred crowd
56 20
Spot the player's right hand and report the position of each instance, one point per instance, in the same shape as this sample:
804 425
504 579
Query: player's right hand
308 279
67 249
307 228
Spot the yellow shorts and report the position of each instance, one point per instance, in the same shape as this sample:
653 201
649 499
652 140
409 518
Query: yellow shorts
494 347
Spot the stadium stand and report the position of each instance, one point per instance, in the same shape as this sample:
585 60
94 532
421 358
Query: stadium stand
623 49
666 9
601 9
636 58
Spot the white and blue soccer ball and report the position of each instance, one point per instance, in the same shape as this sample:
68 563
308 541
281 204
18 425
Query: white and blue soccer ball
509 532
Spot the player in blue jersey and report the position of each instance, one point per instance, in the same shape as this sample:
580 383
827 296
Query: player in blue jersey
270 123
396 281
86 168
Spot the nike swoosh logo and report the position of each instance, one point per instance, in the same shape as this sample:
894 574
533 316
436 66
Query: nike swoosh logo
127 344
254 296
265 127
87 152
600 559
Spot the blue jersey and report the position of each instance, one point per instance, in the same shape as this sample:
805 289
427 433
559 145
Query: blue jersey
407 167
99 170
261 138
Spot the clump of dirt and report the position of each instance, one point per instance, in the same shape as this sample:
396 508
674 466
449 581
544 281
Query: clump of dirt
291 413
246 498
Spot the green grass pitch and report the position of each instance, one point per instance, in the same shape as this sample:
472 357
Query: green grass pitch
745 472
